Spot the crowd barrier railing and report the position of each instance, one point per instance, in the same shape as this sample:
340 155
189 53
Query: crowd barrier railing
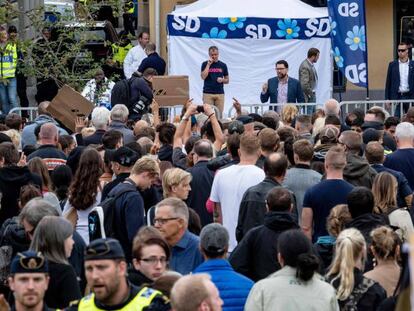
261 108
31 111
393 107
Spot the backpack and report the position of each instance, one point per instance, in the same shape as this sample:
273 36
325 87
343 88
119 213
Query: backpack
121 93
101 220
350 304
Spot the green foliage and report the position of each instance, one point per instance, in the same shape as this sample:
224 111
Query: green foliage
65 58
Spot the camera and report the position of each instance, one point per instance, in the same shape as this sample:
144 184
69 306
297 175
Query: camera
200 109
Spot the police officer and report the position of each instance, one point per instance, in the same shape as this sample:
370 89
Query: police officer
8 64
29 280
129 17
106 270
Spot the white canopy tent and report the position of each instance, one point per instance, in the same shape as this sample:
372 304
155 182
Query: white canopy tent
249 43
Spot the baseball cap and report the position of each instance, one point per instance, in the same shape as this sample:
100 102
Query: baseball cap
124 156
101 249
214 239
245 119
29 262
236 127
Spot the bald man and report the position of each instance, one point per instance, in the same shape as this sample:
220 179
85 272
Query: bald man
48 150
28 133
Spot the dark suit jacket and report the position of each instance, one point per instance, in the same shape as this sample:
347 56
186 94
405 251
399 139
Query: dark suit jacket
295 93
392 84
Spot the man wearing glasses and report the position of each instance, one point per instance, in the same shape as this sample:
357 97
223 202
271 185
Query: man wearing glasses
106 273
400 78
282 89
171 219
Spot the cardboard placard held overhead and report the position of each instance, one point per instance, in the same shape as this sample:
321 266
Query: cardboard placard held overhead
69 104
170 90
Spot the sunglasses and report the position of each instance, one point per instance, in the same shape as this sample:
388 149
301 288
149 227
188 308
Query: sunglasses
401 50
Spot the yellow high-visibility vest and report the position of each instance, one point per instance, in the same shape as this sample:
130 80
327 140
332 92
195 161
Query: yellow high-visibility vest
120 52
140 301
8 61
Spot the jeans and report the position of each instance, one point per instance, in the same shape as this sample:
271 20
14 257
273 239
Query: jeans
8 95
405 106
309 110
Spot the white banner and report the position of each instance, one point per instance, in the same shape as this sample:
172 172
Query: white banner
250 63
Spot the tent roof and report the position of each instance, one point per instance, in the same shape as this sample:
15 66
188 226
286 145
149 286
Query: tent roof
248 8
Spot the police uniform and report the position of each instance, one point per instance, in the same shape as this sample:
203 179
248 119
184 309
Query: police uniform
128 17
30 262
138 298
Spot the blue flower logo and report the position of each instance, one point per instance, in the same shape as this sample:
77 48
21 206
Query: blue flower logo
333 26
288 28
356 38
215 34
339 60
232 22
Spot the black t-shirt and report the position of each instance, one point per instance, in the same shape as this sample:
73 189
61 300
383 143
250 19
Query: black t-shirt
217 70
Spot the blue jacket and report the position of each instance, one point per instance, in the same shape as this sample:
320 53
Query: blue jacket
295 93
233 287
392 85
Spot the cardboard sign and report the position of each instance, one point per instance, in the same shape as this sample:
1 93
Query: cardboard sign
69 104
170 90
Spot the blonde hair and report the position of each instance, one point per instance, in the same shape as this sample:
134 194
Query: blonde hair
385 243
349 247
289 112
338 217
384 189
87 131
146 165
14 136
173 177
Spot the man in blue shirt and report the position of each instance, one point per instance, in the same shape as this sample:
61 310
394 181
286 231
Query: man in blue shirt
321 198
215 74
402 160
171 219
153 60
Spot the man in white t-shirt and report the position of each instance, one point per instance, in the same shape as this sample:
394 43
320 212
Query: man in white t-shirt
231 183
136 55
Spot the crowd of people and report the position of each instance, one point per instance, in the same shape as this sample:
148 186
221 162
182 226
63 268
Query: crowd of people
259 212
280 211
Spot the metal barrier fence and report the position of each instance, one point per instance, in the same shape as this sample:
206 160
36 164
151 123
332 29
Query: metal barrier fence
393 107
31 111
261 108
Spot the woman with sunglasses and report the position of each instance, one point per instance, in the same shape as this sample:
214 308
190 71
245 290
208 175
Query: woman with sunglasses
151 254
53 238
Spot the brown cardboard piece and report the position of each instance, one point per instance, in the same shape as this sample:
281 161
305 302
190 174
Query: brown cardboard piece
69 104
170 90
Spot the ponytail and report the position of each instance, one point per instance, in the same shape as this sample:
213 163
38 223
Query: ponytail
307 264
349 246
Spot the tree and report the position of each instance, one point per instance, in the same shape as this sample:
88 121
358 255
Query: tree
66 56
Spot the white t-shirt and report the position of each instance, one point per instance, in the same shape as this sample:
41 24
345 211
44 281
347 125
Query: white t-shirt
228 188
133 59
82 224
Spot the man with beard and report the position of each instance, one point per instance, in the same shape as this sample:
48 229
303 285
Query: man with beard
106 270
29 280
282 89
